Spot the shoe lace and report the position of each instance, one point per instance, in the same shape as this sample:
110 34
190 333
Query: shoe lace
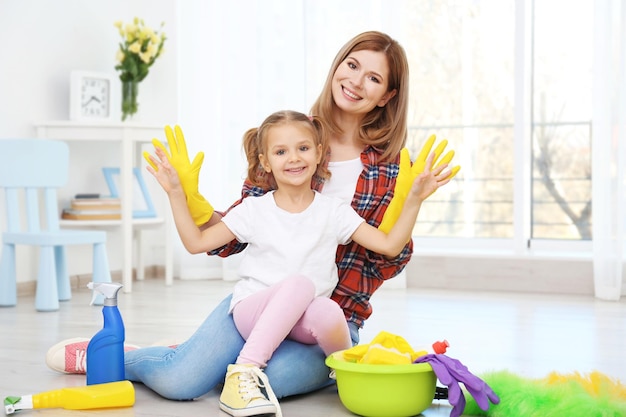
81 360
251 379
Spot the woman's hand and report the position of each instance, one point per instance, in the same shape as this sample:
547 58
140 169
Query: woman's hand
407 174
430 180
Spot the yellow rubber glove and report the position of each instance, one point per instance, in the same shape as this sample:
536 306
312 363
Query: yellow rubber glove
189 172
385 349
407 175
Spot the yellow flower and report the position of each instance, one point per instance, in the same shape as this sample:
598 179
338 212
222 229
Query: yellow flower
135 47
145 33
145 57
130 32
139 47
151 50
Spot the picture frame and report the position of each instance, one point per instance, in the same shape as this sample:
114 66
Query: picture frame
142 202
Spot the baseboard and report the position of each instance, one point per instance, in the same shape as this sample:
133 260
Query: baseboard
200 273
27 288
444 272
574 276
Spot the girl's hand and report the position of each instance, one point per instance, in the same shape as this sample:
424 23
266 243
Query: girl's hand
429 181
164 172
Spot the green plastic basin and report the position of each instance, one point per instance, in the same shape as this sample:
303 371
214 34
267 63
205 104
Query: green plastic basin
383 390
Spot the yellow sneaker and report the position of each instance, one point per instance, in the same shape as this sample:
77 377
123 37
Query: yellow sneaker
242 396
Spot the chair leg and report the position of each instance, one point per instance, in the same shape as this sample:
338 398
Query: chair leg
47 294
101 270
8 278
63 277
141 270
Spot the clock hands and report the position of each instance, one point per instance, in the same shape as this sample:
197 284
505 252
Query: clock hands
92 98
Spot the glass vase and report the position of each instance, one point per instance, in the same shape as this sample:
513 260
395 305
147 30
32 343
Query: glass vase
130 91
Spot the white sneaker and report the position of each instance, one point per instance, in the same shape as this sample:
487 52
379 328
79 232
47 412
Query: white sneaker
69 356
241 395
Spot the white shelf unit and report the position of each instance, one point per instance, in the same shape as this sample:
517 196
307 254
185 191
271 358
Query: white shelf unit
129 137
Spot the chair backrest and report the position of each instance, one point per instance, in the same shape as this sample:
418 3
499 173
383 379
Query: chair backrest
36 166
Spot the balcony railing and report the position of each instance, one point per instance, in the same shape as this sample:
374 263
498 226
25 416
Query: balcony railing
480 201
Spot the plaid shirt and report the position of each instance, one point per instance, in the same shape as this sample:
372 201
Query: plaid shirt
361 272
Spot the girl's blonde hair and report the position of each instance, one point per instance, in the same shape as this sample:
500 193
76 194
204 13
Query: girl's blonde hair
383 127
255 142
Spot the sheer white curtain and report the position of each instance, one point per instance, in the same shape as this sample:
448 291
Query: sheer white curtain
241 61
609 147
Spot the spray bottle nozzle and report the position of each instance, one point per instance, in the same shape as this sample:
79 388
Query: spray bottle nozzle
108 289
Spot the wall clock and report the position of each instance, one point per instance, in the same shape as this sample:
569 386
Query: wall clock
91 95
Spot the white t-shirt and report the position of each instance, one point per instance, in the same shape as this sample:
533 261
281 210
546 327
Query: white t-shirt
342 182
281 244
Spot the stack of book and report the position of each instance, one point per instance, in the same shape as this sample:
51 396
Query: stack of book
93 207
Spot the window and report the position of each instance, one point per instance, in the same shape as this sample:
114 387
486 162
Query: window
462 89
561 128
463 77
465 67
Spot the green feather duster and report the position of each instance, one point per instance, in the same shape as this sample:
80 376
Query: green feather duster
569 396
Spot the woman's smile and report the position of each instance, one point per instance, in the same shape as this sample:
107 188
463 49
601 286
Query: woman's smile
351 94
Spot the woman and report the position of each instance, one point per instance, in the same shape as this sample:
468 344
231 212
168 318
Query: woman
364 102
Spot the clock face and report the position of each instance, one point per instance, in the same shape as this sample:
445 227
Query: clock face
94 97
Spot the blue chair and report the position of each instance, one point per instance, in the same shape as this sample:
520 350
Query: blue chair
31 170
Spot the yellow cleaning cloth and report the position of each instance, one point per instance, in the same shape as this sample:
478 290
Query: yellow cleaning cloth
385 349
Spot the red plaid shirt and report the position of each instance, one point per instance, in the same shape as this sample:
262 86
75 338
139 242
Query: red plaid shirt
361 272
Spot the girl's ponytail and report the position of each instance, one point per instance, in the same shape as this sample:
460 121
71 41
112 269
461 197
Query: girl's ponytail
252 147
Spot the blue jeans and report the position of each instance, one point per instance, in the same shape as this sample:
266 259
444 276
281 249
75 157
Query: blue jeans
196 366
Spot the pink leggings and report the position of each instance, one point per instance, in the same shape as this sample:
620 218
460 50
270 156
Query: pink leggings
288 309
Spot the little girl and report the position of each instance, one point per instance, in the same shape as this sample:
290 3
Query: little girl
288 271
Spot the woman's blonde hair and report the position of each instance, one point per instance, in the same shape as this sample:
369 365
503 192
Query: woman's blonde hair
255 142
383 127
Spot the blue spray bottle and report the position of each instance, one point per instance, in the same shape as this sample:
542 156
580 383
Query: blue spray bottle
105 351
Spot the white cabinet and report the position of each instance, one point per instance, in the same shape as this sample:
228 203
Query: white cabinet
128 137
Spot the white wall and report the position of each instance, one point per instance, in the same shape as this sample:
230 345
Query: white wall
227 65
241 61
41 42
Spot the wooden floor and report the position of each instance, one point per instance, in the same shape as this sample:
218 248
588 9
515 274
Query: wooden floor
527 334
